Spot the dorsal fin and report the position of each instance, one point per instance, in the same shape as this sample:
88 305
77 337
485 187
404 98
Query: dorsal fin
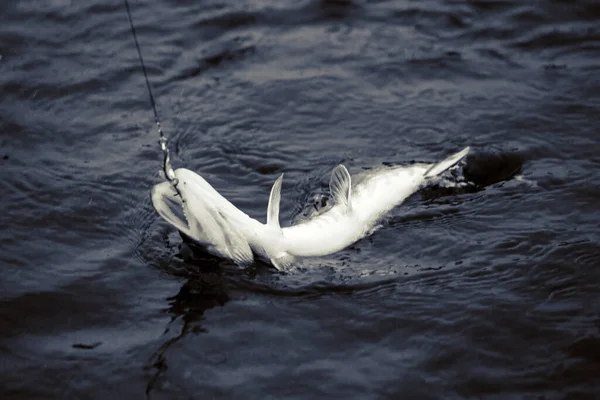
274 200
340 186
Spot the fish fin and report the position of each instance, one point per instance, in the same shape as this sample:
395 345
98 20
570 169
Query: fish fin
340 186
274 200
449 162
234 242
203 215
242 256
283 261
169 205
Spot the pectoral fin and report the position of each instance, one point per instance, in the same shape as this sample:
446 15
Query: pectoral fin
274 200
283 261
340 186
232 241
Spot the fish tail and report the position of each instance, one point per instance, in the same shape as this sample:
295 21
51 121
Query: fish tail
448 163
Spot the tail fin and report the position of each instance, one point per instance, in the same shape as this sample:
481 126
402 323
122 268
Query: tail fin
449 162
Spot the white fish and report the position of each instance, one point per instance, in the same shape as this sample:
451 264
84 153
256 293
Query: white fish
227 232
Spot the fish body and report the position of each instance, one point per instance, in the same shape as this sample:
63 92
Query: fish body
203 214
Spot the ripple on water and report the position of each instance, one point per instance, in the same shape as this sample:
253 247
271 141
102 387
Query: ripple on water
485 290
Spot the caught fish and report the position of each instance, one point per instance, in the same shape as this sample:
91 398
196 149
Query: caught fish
201 213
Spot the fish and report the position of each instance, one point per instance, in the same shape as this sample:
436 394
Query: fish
202 214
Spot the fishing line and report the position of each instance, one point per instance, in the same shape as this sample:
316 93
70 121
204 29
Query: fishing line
167 169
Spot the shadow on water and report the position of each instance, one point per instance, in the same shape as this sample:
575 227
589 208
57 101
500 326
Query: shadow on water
485 168
205 288
480 170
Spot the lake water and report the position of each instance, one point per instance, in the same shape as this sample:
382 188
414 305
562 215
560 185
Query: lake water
489 291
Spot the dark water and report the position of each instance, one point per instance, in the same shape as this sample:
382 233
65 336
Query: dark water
484 293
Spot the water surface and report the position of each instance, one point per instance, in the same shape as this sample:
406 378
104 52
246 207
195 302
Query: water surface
486 292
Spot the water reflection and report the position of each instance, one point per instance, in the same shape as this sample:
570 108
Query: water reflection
206 287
